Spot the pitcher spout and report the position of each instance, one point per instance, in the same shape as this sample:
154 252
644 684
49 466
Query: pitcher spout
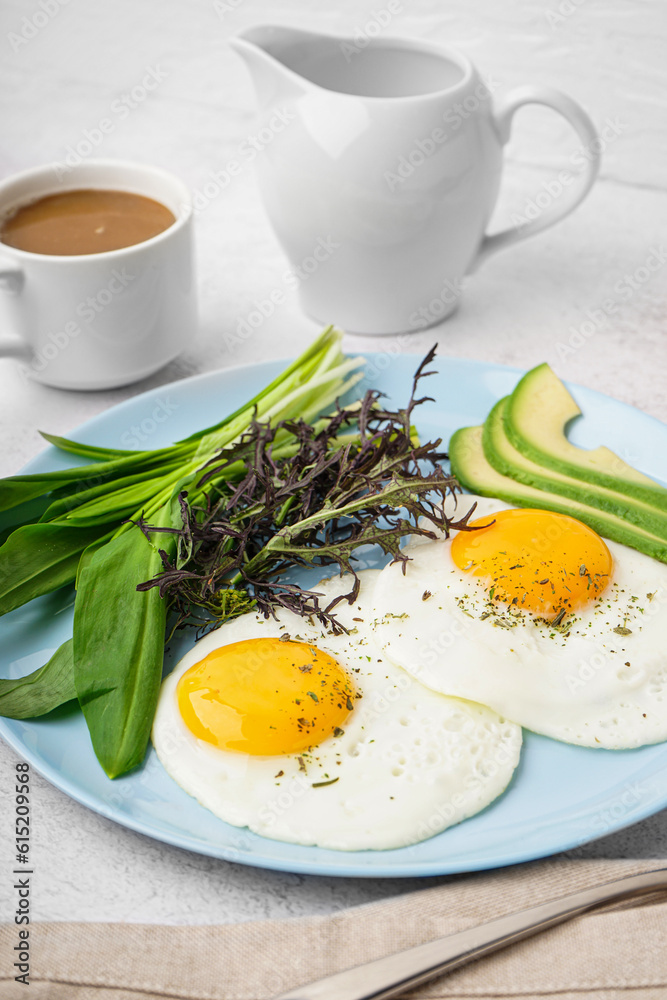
271 54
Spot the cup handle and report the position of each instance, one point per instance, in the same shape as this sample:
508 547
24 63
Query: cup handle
11 283
572 195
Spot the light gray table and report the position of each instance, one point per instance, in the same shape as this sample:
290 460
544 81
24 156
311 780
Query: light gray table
548 299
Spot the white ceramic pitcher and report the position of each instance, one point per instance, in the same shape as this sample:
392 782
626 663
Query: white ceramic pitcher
380 167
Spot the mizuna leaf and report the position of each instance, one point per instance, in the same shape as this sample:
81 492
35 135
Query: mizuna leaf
356 478
41 691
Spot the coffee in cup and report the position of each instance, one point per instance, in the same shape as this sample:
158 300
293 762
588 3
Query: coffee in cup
85 221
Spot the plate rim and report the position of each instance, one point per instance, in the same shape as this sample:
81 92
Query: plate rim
254 365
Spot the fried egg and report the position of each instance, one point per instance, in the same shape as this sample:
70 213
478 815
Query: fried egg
317 739
537 617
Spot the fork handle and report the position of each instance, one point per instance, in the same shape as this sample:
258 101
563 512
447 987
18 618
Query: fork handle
387 977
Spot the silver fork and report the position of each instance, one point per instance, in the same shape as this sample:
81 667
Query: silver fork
386 977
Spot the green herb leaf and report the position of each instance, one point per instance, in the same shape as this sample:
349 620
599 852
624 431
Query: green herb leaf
41 691
117 499
86 450
119 645
39 558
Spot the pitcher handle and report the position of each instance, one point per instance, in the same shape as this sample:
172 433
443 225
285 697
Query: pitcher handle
11 282
567 199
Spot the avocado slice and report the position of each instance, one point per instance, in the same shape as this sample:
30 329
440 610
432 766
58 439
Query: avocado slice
506 459
475 473
537 414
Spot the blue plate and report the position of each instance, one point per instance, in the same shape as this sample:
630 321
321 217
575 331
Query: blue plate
561 796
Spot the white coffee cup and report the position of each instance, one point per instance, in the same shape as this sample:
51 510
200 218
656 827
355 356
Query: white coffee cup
96 321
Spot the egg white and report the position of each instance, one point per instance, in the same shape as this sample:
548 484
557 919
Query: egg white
582 683
409 764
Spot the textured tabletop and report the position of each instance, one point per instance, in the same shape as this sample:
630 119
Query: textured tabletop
587 296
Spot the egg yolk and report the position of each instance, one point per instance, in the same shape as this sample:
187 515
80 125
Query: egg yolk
265 697
537 560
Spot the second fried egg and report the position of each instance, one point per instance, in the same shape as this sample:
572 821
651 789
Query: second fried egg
538 617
